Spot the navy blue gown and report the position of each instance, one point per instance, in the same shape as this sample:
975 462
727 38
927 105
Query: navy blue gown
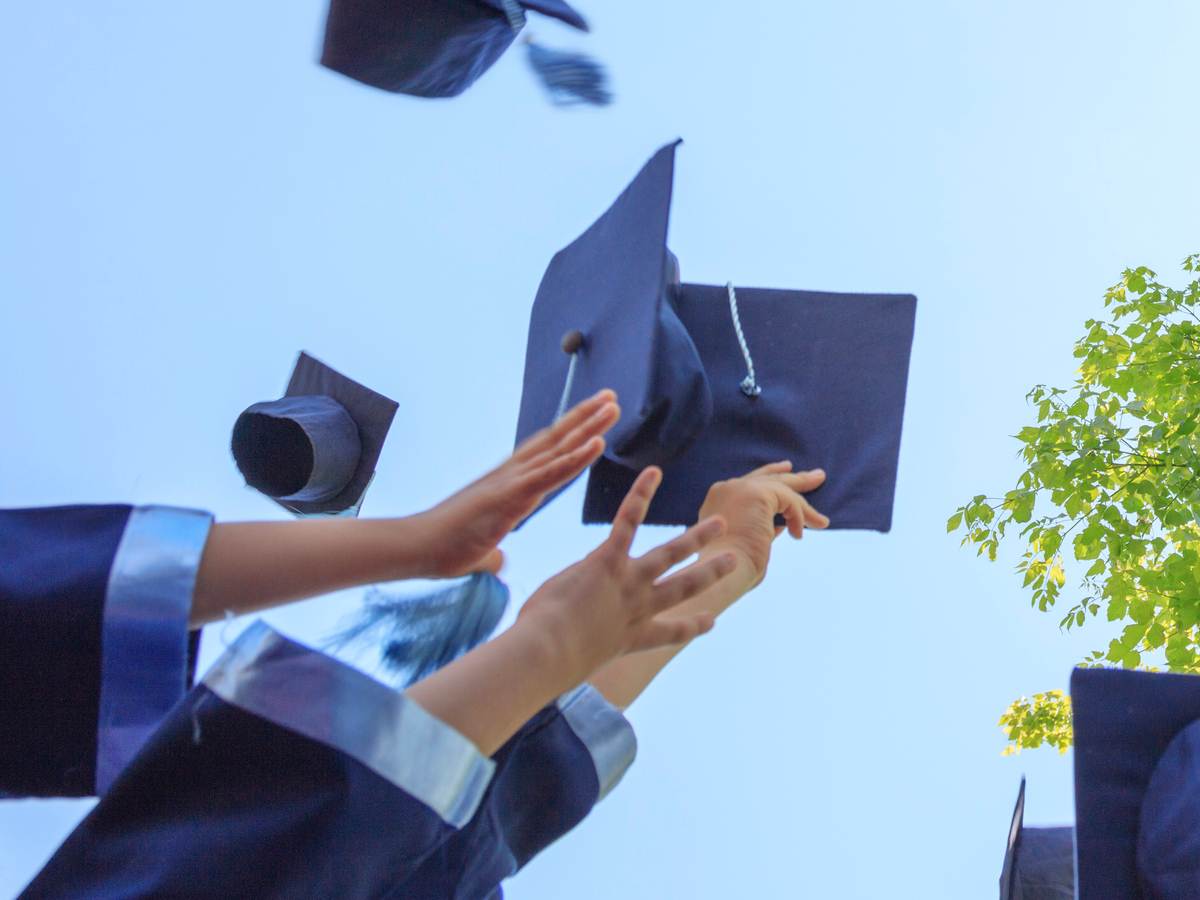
94 643
287 774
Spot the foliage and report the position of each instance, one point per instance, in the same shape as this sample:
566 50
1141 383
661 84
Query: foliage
1046 719
1113 476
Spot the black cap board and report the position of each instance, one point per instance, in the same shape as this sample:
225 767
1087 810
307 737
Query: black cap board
314 451
428 48
715 381
1039 863
1137 784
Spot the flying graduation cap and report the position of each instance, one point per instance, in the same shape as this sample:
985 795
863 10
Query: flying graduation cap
715 381
314 450
1137 784
438 48
1039 863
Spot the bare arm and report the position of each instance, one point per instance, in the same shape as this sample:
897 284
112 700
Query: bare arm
254 565
748 505
598 609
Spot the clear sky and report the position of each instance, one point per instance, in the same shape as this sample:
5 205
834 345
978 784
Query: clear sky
187 200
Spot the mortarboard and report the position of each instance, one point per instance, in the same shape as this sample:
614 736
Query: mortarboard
438 48
715 381
1039 863
1137 784
314 450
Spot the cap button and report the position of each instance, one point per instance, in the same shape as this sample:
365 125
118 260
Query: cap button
572 341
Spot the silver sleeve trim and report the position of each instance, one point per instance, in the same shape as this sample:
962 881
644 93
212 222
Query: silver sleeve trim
606 733
143 641
321 698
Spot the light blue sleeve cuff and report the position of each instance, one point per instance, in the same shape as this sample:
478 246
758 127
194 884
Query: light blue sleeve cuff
144 638
317 696
605 732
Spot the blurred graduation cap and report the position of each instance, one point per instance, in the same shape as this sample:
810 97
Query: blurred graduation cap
715 381
314 450
1039 863
1137 784
438 48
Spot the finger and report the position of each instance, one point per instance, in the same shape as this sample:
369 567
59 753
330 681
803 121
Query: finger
673 631
547 437
685 584
803 482
790 505
597 423
491 563
632 511
661 558
558 472
798 512
774 468
813 518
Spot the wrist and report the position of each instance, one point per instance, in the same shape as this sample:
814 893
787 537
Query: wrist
561 655
751 562
421 544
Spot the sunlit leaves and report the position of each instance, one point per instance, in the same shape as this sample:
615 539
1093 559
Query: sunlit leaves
1046 719
1112 477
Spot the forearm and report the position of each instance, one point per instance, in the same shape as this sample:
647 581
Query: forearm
624 679
253 565
491 692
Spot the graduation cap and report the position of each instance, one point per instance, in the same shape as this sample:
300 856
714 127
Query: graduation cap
1039 863
438 48
314 450
715 381
1137 784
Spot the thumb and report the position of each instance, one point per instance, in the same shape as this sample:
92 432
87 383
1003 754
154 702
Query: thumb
492 563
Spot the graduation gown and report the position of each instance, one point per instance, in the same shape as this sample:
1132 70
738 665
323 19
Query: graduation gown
94 643
287 774
548 777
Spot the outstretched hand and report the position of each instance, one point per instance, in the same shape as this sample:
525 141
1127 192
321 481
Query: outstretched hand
604 606
749 505
609 604
464 530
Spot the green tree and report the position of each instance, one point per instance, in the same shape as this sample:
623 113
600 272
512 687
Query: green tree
1113 477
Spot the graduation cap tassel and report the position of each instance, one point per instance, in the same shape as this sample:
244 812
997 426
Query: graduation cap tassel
515 13
572 343
569 77
419 635
749 386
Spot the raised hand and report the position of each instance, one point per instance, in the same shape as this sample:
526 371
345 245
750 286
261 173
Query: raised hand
602 607
749 505
609 604
464 530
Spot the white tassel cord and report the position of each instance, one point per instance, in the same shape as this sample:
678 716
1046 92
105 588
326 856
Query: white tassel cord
749 386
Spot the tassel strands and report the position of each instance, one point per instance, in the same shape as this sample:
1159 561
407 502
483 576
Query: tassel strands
418 635
570 78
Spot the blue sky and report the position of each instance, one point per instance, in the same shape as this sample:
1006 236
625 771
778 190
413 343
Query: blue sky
187 200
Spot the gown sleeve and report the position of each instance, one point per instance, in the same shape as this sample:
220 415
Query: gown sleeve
283 774
548 777
94 644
